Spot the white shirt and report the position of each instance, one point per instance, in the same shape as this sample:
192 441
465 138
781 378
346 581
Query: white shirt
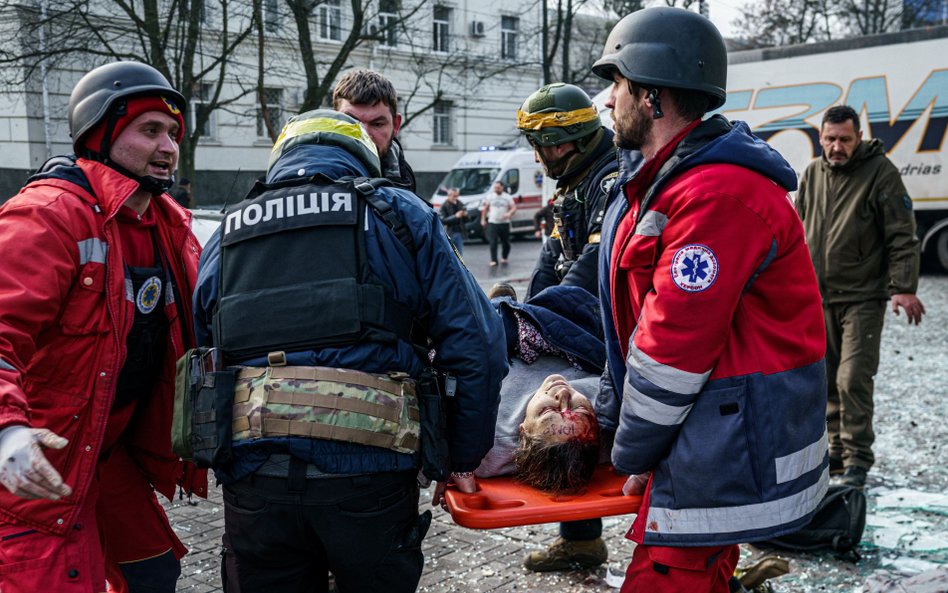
498 205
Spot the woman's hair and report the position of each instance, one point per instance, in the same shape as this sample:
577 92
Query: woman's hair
556 466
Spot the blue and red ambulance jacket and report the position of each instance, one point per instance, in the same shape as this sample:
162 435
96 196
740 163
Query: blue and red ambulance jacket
715 341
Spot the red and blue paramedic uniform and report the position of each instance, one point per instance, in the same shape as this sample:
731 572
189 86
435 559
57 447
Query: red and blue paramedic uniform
715 340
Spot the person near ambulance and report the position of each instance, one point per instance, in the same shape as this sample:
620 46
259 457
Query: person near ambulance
99 265
563 127
364 269
714 332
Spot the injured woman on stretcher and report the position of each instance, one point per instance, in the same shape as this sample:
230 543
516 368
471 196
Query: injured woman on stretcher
547 433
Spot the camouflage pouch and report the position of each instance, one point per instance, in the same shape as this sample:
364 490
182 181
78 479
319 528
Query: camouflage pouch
327 403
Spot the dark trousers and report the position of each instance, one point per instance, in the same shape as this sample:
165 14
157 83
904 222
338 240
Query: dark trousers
581 530
853 337
287 535
498 233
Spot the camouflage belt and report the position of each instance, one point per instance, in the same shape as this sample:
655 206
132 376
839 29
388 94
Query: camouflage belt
327 403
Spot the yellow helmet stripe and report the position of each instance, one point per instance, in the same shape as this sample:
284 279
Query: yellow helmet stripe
325 124
559 119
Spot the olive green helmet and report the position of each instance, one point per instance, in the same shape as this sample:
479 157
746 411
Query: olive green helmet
556 114
325 126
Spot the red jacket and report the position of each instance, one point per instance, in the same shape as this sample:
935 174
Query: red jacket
64 319
720 328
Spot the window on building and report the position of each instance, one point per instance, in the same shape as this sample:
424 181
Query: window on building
441 28
274 114
271 16
330 20
388 19
508 37
200 96
442 126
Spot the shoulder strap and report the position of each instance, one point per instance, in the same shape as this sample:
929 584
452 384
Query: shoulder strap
366 186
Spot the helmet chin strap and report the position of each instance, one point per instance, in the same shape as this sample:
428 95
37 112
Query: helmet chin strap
146 183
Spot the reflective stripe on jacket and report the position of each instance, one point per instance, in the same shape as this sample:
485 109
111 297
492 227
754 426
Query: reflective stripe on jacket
720 329
64 318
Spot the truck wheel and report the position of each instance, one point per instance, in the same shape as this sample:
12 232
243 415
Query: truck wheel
941 249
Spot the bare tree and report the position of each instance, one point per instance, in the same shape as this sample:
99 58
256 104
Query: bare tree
189 41
782 22
375 27
867 17
765 23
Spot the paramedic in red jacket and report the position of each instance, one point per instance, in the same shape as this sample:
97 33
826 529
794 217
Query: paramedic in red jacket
98 268
715 328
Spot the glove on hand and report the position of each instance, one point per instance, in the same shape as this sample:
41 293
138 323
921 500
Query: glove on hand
24 470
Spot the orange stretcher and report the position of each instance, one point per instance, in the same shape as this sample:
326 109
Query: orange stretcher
504 502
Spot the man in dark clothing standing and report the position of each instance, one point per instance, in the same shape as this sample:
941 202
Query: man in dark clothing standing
861 233
563 126
453 214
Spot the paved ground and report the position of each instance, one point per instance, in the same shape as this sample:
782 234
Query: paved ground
909 537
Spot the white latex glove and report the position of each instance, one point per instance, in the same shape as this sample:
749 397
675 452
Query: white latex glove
464 481
635 484
24 470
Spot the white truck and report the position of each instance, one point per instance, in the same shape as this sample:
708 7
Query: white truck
898 82
474 175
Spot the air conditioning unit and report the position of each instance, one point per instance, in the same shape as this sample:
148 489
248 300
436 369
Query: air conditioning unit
477 28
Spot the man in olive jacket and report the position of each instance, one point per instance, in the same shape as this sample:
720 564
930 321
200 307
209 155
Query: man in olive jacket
861 233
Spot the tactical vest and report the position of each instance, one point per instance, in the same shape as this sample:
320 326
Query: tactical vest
294 271
575 224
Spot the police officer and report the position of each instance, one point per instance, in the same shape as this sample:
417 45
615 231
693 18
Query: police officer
315 286
563 126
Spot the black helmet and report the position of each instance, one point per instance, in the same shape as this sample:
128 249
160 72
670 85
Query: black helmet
556 114
325 126
97 91
670 48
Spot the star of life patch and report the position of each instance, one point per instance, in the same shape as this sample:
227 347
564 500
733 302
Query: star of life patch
694 268
149 295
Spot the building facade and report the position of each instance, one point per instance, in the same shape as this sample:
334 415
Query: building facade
461 68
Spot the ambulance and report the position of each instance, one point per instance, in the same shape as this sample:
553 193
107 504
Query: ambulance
474 175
